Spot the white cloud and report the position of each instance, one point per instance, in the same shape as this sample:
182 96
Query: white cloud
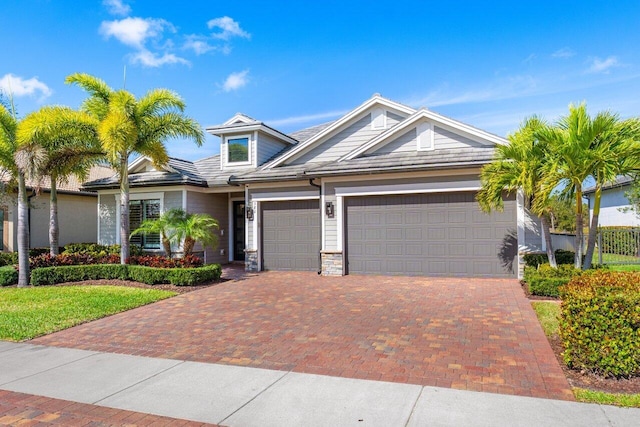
529 58
236 81
565 52
198 44
229 28
16 85
151 59
603 65
117 7
134 31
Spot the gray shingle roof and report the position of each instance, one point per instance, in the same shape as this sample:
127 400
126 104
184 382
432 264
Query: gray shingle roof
412 161
209 169
186 174
620 181
303 134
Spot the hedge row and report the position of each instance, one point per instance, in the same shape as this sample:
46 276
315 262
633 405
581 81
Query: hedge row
8 276
546 281
600 323
148 275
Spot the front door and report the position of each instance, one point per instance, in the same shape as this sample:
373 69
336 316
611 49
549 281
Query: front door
238 231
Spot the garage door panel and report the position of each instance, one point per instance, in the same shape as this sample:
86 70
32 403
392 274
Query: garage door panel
443 234
290 235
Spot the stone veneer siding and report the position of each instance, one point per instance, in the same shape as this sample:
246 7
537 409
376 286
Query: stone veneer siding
251 260
331 263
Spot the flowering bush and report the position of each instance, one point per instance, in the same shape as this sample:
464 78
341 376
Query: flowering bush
157 261
46 260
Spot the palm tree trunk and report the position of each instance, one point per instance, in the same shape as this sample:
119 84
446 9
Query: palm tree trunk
593 228
23 232
188 245
547 240
166 244
579 242
54 231
124 210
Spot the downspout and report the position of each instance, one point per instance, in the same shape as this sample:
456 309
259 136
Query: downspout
319 187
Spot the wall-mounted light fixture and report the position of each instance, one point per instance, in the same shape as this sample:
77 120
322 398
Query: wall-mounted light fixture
328 209
250 214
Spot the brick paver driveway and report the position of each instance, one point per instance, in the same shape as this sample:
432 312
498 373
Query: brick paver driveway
475 334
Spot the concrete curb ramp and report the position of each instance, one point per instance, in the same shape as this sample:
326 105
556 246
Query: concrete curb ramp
239 396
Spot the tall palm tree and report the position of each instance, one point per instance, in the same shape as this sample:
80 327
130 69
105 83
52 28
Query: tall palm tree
581 147
66 143
8 150
519 166
129 125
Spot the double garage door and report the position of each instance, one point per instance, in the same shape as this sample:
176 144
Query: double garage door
440 234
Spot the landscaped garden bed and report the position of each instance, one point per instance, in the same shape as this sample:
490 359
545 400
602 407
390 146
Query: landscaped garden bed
594 334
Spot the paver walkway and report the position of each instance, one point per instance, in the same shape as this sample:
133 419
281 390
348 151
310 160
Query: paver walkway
473 334
20 409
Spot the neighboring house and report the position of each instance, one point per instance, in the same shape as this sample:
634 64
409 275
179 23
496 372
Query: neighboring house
77 214
615 209
386 189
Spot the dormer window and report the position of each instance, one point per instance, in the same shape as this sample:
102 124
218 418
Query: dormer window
238 150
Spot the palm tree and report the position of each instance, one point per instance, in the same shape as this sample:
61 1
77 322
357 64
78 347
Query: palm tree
163 226
518 166
194 228
67 144
128 125
581 147
8 150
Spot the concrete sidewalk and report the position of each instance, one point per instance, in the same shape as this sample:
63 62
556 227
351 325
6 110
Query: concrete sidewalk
242 396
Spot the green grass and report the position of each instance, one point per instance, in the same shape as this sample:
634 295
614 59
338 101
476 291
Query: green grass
590 396
32 312
608 258
548 313
624 267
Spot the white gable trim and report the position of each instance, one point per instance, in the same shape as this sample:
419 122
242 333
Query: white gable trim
251 126
353 115
138 162
239 117
478 135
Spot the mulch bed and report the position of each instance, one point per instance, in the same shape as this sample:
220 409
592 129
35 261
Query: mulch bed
131 284
584 379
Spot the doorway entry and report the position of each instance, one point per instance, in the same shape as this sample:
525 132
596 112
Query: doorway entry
238 231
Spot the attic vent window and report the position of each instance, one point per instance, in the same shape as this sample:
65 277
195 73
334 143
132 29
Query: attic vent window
425 137
238 150
378 119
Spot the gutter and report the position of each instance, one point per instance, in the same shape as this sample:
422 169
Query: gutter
319 187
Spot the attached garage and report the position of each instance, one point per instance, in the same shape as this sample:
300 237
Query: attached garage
290 235
434 234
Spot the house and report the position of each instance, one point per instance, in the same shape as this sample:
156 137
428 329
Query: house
77 214
385 189
615 209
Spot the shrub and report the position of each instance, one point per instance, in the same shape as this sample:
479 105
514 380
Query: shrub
148 275
8 258
158 261
77 273
545 280
47 260
8 276
93 249
194 276
562 257
600 323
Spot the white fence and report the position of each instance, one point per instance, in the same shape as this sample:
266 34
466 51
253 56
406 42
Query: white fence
563 241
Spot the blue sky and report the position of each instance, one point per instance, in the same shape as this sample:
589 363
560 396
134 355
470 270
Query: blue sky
293 64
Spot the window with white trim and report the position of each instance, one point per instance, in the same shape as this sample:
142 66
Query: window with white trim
238 150
139 211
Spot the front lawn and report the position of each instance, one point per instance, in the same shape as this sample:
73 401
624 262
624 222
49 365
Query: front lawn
32 312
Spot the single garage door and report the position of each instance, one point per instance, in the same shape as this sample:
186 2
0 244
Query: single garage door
440 234
291 235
